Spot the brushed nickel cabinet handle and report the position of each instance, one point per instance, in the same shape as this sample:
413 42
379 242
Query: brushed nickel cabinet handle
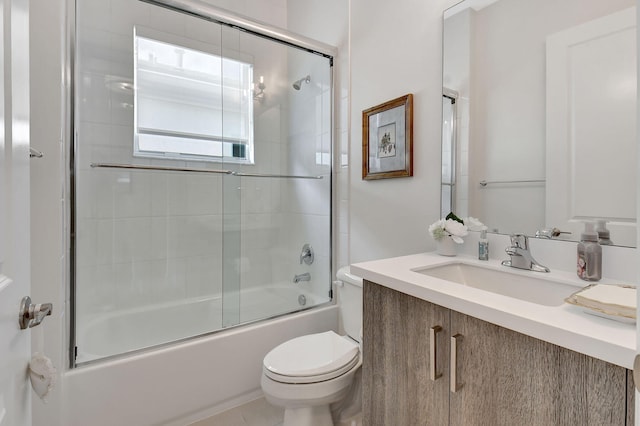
453 368
433 351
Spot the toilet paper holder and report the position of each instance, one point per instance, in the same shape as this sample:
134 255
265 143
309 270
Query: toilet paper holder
32 314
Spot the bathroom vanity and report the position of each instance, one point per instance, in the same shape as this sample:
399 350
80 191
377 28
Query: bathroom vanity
441 352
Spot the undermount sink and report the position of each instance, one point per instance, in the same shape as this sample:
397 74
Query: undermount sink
532 288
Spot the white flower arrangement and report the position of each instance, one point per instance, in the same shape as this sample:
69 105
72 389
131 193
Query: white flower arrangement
454 227
474 224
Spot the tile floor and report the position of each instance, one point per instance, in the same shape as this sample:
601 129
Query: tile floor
257 413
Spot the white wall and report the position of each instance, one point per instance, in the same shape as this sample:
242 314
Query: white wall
396 48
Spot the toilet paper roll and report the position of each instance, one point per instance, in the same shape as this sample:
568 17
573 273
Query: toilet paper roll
42 374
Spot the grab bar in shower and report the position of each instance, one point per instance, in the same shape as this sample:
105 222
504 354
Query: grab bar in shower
194 170
485 183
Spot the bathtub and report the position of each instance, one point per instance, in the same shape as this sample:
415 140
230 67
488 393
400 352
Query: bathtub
182 382
116 333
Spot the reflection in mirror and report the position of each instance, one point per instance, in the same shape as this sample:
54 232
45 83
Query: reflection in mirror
449 127
542 126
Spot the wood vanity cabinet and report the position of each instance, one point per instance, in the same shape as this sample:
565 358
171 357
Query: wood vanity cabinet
502 377
397 389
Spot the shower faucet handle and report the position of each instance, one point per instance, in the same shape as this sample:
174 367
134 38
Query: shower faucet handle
307 255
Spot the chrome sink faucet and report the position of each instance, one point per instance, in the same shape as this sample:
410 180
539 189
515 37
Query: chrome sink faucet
521 256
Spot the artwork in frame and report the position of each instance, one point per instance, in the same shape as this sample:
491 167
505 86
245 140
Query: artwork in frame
387 139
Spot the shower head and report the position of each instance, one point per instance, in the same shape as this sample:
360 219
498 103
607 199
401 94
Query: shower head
298 83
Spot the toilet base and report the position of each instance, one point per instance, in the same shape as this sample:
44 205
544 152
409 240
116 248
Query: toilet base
317 415
309 404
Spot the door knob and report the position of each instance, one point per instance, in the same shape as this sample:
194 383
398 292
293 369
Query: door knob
32 314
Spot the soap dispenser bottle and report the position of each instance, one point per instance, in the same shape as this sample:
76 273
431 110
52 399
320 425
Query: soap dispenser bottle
589 255
603 233
483 246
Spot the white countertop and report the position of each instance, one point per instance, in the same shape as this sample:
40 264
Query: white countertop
565 325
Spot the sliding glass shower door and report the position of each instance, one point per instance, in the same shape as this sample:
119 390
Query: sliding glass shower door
201 168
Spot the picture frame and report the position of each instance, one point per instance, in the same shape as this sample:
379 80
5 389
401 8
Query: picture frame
387 139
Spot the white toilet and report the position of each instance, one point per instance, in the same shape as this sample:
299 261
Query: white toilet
306 374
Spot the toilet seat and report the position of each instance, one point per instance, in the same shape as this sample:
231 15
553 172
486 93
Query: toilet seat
312 379
311 358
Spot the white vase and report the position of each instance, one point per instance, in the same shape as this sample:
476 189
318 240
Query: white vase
447 247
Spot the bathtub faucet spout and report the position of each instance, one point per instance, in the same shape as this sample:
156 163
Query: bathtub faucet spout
302 277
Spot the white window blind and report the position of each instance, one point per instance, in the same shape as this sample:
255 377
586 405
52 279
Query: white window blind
191 104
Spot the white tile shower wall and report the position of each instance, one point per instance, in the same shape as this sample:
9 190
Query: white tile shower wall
155 236
306 212
260 198
328 22
162 213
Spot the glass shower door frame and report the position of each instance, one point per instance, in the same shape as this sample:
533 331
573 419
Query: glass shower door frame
209 13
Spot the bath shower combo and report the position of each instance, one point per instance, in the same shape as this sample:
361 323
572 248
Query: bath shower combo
190 201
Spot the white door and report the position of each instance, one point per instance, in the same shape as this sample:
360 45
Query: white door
15 344
636 366
591 126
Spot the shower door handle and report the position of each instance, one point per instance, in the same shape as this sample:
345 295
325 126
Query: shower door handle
32 314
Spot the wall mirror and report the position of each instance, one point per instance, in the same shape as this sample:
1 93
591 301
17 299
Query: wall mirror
539 115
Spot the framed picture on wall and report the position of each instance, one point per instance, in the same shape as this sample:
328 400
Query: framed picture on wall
387 134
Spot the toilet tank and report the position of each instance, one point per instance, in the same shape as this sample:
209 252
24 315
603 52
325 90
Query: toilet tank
349 289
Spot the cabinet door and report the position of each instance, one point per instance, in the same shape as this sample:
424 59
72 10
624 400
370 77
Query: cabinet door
507 378
397 387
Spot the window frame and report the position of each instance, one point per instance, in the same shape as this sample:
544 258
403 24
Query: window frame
227 144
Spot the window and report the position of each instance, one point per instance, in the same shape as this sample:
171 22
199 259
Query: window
191 104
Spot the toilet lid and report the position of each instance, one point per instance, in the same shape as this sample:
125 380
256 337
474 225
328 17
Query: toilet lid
312 355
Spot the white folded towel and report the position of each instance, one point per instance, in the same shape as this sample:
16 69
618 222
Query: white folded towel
611 299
